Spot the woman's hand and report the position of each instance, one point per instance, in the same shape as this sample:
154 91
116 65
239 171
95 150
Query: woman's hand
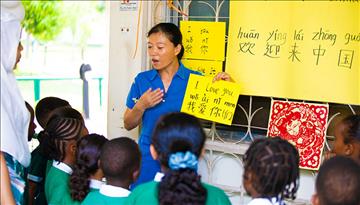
150 98
222 76
132 117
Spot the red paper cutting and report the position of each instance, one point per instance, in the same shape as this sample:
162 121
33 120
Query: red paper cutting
302 124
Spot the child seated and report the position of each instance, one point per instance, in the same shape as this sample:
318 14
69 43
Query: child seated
177 142
120 162
338 182
271 171
59 144
87 175
347 138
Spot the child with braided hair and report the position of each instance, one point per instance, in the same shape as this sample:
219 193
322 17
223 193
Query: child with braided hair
59 144
271 171
87 174
40 160
177 143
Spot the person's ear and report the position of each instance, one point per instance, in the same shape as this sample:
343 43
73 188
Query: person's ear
315 199
349 149
135 175
178 49
153 152
73 148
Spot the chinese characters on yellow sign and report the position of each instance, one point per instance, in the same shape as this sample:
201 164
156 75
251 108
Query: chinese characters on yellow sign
208 68
296 49
204 44
211 101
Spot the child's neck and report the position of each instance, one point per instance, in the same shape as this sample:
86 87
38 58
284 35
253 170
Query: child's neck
118 183
68 161
98 175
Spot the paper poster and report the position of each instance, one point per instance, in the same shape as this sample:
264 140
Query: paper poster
308 50
208 68
302 124
211 101
203 40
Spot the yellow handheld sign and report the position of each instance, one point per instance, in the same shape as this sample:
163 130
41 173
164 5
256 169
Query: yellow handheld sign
211 101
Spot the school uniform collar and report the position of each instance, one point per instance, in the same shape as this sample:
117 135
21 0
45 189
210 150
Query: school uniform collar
272 200
158 177
62 166
113 191
181 72
95 184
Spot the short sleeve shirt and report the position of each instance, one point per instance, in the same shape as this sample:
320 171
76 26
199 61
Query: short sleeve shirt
57 189
96 198
37 166
172 99
148 194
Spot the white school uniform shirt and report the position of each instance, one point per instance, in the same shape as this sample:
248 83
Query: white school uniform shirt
15 117
63 167
266 201
158 176
113 191
95 184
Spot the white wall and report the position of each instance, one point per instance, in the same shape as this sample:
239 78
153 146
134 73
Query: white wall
123 65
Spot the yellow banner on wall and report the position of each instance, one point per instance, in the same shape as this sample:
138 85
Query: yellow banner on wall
208 68
203 39
307 50
211 101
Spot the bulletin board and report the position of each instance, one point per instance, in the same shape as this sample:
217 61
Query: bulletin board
294 49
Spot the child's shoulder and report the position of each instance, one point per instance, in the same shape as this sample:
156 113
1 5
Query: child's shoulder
145 193
93 197
148 187
215 195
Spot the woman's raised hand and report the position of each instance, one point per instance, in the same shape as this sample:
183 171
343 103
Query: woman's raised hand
150 98
222 76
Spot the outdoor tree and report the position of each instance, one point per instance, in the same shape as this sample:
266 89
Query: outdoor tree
80 17
44 20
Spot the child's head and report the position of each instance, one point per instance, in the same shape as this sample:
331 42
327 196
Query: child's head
68 112
86 164
120 161
347 137
271 169
338 182
177 142
32 125
45 106
59 139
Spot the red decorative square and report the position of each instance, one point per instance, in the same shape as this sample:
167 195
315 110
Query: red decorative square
302 124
